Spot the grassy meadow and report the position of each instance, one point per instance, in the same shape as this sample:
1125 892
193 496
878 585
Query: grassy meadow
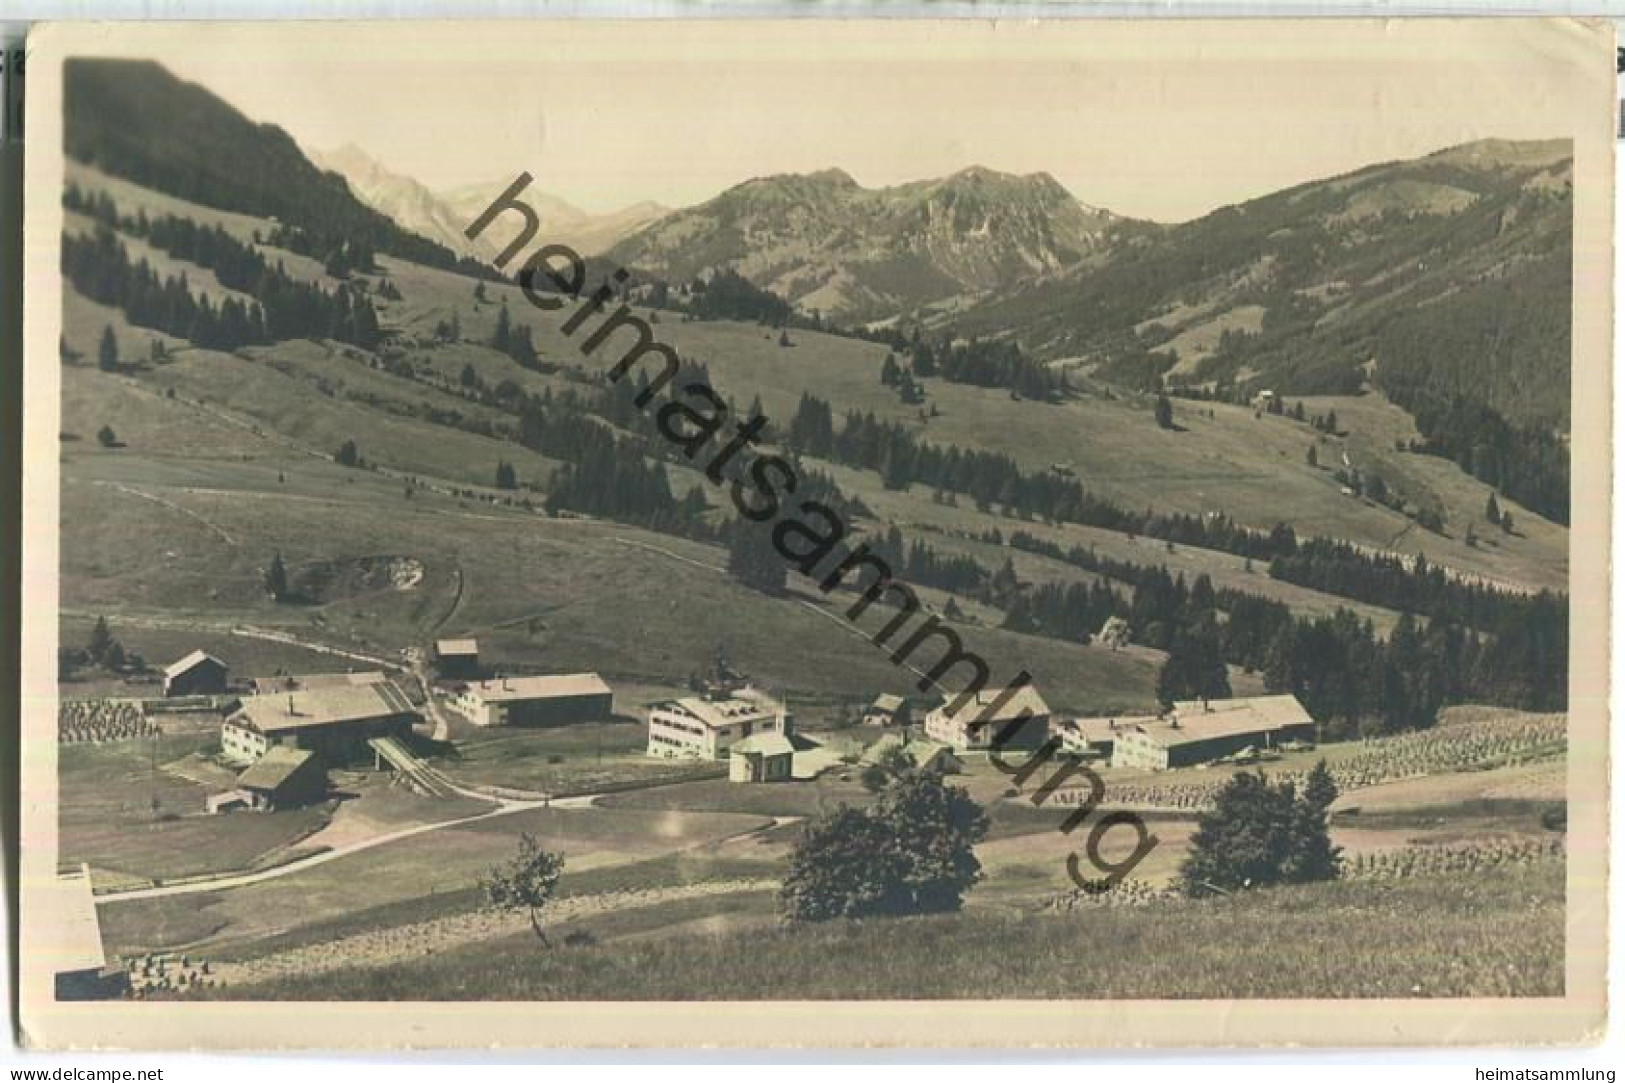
1405 938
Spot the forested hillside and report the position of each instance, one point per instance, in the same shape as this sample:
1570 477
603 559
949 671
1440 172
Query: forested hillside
134 119
1443 281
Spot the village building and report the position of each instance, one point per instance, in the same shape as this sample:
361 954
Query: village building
766 757
1201 731
706 727
535 701
72 942
265 686
335 722
887 710
1096 738
198 674
457 659
284 778
923 753
1020 722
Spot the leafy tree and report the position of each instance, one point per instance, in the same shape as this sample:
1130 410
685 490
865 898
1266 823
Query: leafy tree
843 866
1260 833
107 351
348 454
106 437
912 852
935 827
525 882
890 765
276 578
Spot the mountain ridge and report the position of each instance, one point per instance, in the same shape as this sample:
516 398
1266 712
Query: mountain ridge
823 241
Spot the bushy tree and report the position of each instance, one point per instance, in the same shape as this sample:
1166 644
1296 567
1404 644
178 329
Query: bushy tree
525 882
106 437
912 852
348 454
1260 833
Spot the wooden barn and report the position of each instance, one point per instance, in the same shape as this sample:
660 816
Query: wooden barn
284 778
457 659
198 674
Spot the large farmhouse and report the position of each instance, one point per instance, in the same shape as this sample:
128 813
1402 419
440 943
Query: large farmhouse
335 722
1020 722
705 727
1201 731
198 674
535 701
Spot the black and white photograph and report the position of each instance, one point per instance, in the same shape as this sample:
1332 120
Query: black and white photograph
991 521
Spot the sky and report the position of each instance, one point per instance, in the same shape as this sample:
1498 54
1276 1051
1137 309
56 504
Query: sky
1165 128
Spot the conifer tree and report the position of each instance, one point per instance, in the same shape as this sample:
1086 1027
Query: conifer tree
107 351
276 578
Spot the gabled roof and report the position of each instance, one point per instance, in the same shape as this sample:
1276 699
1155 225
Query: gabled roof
456 647
1026 700
555 686
191 661
887 702
274 768
279 712
766 744
919 749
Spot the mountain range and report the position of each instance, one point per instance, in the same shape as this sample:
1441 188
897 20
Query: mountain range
441 216
825 243
1442 280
